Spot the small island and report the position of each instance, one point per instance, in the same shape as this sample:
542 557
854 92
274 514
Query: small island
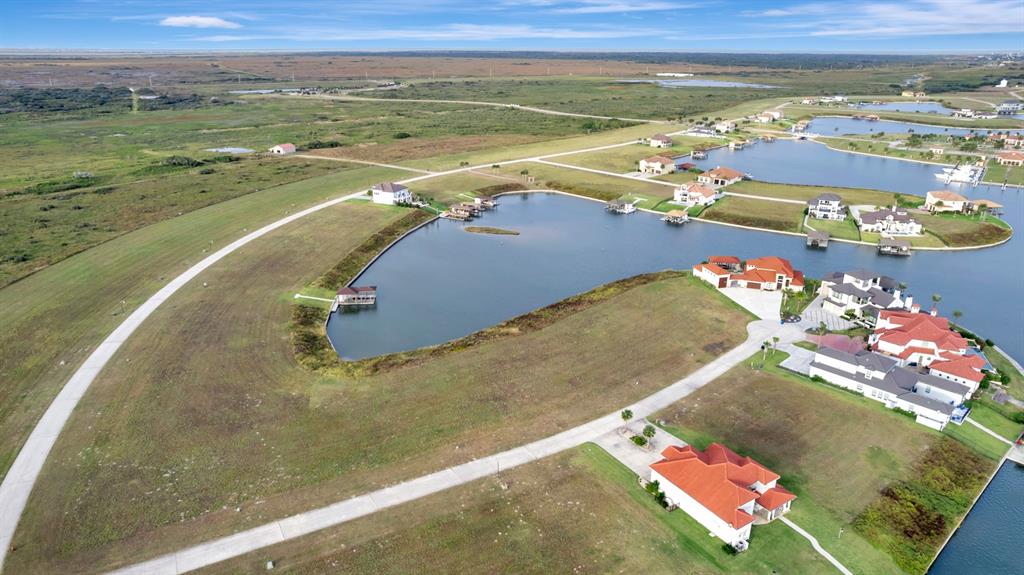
490 230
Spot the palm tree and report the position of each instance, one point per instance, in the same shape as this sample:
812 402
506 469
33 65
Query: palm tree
775 342
626 415
957 314
936 298
649 431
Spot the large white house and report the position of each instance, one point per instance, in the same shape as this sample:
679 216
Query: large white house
931 399
889 221
916 338
944 201
827 206
390 193
862 292
723 491
694 195
657 165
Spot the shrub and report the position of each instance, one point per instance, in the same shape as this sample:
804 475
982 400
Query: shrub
402 135
639 440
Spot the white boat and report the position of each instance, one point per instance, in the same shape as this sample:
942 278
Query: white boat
960 174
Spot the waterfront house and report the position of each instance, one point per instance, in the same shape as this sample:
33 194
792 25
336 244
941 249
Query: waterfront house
719 176
721 490
390 193
687 166
357 295
944 201
282 149
657 165
827 206
725 126
1009 107
893 221
931 399
766 273
978 205
1010 158
862 293
694 195
660 141
916 338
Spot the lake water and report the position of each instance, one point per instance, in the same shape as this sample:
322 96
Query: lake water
989 540
838 125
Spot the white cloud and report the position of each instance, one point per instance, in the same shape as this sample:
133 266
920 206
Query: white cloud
198 22
613 6
464 32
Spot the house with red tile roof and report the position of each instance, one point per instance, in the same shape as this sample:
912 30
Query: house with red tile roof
965 369
916 338
720 489
767 274
720 176
731 263
945 201
693 194
282 149
1010 158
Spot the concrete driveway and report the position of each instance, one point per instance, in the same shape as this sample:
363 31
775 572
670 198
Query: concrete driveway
637 458
799 359
763 304
812 317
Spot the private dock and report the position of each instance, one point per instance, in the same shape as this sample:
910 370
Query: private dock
486 202
620 207
677 217
816 239
357 295
894 247
698 155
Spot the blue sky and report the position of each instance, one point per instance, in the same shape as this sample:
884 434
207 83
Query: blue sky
614 25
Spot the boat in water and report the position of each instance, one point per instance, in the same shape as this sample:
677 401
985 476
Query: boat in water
965 174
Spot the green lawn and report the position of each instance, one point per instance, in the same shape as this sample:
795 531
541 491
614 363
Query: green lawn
627 158
846 229
882 148
959 230
528 520
1001 363
589 184
977 440
756 213
926 240
997 173
988 414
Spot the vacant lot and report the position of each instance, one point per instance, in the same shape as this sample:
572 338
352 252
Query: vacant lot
590 184
166 446
54 318
627 158
835 450
999 174
796 192
43 228
528 521
962 230
755 213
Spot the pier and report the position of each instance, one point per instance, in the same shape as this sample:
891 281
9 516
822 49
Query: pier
357 295
894 247
620 207
676 217
816 239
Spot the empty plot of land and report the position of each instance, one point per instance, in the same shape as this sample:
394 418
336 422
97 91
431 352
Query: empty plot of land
529 521
184 448
796 192
749 212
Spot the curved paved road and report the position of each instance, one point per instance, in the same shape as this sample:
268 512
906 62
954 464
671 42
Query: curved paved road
217 550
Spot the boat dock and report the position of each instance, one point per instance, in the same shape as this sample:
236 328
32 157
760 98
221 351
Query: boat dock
356 295
894 247
816 239
620 207
677 217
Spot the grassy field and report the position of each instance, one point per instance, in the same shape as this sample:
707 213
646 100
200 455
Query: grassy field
527 520
627 158
54 318
846 229
456 187
43 228
144 467
602 97
964 230
797 192
882 148
799 110
1016 385
590 184
925 240
997 173
835 450
756 213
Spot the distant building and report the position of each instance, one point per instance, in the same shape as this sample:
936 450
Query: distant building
725 126
1009 107
657 165
720 490
390 193
282 149
720 176
891 221
660 141
827 206
944 201
1010 158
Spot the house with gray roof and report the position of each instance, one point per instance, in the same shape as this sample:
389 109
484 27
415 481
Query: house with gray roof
862 293
931 399
893 221
827 206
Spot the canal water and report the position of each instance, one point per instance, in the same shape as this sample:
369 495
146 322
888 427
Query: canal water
988 542
916 107
839 125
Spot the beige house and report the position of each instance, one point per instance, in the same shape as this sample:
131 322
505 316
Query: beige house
945 201
657 165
